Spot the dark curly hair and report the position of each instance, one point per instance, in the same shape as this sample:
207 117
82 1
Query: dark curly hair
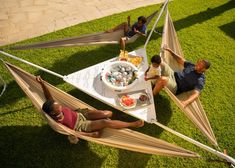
156 59
47 106
142 19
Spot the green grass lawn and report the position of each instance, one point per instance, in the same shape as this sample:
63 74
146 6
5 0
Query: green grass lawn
205 30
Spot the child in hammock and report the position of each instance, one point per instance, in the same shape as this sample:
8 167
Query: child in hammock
89 122
154 70
138 27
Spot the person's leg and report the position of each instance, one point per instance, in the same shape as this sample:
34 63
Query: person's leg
160 83
126 28
116 124
97 114
166 70
95 134
167 79
122 43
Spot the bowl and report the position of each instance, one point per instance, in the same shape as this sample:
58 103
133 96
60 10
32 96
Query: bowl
120 75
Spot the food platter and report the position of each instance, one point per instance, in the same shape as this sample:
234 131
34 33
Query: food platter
133 59
135 99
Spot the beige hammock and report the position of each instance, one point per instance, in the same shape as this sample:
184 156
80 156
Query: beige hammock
89 39
119 138
193 111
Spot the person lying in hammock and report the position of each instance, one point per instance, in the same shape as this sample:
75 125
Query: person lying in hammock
88 122
191 78
138 27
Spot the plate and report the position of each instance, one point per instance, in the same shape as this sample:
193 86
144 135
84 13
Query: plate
127 102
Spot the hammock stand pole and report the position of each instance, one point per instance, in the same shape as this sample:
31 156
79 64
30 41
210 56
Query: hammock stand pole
31 64
155 24
200 145
4 86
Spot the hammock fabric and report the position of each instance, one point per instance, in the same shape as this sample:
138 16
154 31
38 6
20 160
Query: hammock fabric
119 138
193 111
89 39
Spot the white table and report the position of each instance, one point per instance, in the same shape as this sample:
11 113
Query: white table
89 81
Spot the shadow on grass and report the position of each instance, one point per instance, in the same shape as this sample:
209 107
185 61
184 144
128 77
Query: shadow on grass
28 146
203 16
14 111
229 29
11 94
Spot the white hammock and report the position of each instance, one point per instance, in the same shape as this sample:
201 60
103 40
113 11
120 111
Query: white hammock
194 111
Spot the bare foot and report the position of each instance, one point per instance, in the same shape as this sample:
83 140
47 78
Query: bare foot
139 123
95 134
225 152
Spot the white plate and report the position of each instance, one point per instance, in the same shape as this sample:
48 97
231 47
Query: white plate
128 107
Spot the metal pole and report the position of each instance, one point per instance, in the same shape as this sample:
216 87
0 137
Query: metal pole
155 24
31 64
4 86
209 149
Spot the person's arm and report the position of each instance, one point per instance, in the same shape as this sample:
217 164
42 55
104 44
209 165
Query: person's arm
191 98
178 58
46 92
145 74
129 20
154 77
139 33
146 71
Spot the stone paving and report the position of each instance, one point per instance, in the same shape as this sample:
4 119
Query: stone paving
23 19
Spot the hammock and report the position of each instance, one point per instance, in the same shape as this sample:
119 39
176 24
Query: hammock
119 138
89 39
193 111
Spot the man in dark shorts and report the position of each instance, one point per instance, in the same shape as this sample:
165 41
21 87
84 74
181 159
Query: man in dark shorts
191 78
138 27
88 122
